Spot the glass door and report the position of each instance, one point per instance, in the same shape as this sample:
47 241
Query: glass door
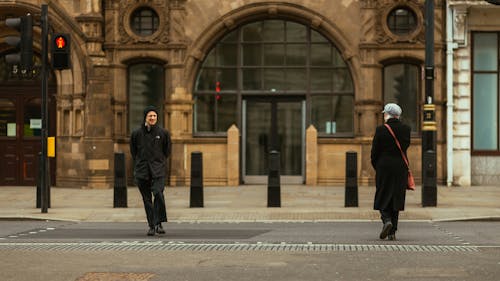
273 124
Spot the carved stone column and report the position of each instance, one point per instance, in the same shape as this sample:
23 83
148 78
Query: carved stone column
179 121
91 23
98 137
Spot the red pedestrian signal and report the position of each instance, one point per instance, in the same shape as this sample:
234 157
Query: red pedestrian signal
61 55
60 42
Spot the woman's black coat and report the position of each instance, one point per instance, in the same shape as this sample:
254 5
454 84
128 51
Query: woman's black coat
391 172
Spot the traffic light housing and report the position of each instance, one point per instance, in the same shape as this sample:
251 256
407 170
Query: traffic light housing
23 43
61 55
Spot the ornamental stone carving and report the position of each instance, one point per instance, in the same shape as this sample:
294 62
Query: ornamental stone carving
374 19
128 36
460 25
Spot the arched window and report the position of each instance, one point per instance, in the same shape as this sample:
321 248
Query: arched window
146 86
402 86
274 58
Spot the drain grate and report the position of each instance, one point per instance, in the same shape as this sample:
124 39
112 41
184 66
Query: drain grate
179 246
115 276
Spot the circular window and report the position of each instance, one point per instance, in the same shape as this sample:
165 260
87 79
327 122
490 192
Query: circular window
402 21
144 21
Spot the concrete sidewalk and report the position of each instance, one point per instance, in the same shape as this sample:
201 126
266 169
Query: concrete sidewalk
248 203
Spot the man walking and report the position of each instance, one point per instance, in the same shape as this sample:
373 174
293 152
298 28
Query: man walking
150 146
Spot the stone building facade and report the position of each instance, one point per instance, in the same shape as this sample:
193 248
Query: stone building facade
474 162
235 79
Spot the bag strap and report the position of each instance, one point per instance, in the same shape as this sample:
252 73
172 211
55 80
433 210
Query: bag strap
399 145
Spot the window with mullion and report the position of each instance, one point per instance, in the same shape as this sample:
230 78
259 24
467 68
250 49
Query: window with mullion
146 86
402 20
485 96
215 99
275 57
144 21
402 86
332 114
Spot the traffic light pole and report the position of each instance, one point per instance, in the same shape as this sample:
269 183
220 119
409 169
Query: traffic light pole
45 75
429 188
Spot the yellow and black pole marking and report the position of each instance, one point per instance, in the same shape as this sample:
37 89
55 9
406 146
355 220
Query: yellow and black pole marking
51 147
429 118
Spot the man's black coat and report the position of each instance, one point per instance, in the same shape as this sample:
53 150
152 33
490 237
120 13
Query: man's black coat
391 172
149 150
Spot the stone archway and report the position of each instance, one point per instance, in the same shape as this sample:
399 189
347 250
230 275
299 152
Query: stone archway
269 10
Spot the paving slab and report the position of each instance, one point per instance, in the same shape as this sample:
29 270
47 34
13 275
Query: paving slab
249 203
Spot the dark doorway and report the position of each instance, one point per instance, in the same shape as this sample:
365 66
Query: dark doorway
273 124
20 130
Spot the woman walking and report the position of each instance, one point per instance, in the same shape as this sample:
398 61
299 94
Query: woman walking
391 170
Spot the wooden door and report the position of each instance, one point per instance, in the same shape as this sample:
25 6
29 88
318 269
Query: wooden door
20 141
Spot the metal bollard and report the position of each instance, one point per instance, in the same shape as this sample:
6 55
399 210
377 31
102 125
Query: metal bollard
429 189
351 179
39 185
39 182
273 180
196 190
120 186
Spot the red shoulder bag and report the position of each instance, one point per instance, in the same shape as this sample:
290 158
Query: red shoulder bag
411 180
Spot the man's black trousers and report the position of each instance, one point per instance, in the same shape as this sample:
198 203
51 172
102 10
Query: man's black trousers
156 212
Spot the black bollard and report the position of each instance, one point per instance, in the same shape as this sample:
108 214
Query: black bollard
39 182
429 189
196 190
120 186
351 179
273 180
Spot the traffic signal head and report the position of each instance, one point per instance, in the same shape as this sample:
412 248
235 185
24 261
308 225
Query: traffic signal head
23 43
61 55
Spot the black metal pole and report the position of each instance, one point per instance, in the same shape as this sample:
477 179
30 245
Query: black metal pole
44 174
429 189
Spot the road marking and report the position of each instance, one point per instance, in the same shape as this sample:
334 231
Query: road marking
259 246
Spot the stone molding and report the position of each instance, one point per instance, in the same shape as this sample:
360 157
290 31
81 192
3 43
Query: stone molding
171 15
460 29
201 45
374 18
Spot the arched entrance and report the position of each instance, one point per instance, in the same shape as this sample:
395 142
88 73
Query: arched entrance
273 78
20 127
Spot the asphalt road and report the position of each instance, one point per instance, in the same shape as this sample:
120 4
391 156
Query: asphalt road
38 250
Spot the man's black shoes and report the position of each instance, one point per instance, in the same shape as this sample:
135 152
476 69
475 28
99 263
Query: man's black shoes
386 229
392 237
159 229
151 231
156 229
